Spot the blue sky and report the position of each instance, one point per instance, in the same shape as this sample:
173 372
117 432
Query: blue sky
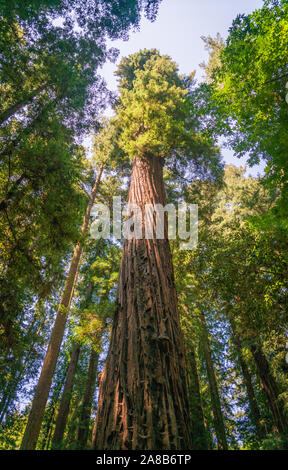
177 32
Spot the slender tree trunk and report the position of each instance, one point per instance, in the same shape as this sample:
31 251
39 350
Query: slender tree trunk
66 398
49 426
214 393
41 395
17 106
68 387
52 407
143 402
83 428
254 409
198 431
270 388
18 372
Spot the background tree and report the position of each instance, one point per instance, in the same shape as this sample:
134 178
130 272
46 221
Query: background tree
228 276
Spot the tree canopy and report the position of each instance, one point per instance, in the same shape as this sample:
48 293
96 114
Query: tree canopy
137 343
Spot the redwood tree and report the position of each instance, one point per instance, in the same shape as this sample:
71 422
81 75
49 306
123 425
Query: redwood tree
143 396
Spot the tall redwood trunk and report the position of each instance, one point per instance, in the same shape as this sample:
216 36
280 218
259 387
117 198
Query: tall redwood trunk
214 392
199 436
42 391
18 371
82 433
270 389
68 387
83 428
66 398
143 398
254 409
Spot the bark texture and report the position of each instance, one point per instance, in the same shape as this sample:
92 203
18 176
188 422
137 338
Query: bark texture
42 391
143 396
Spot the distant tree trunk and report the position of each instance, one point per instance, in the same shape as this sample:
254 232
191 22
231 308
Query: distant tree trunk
66 398
254 409
84 422
68 387
42 391
143 402
51 409
214 393
49 426
83 428
19 369
270 388
17 106
199 438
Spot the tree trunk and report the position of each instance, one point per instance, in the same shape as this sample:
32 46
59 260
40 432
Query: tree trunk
66 397
41 395
270 388
16 107
18 372
143 401
67 392
214 393
255 412
83 429
52 407
199 438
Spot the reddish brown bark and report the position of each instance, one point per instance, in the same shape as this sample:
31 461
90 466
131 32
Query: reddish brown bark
143 397
42 391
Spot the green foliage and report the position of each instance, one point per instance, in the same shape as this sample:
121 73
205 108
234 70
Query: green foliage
12 431
239 273
50 97
156 114
249 95
274 442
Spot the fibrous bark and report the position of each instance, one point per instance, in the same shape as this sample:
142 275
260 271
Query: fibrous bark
143 400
